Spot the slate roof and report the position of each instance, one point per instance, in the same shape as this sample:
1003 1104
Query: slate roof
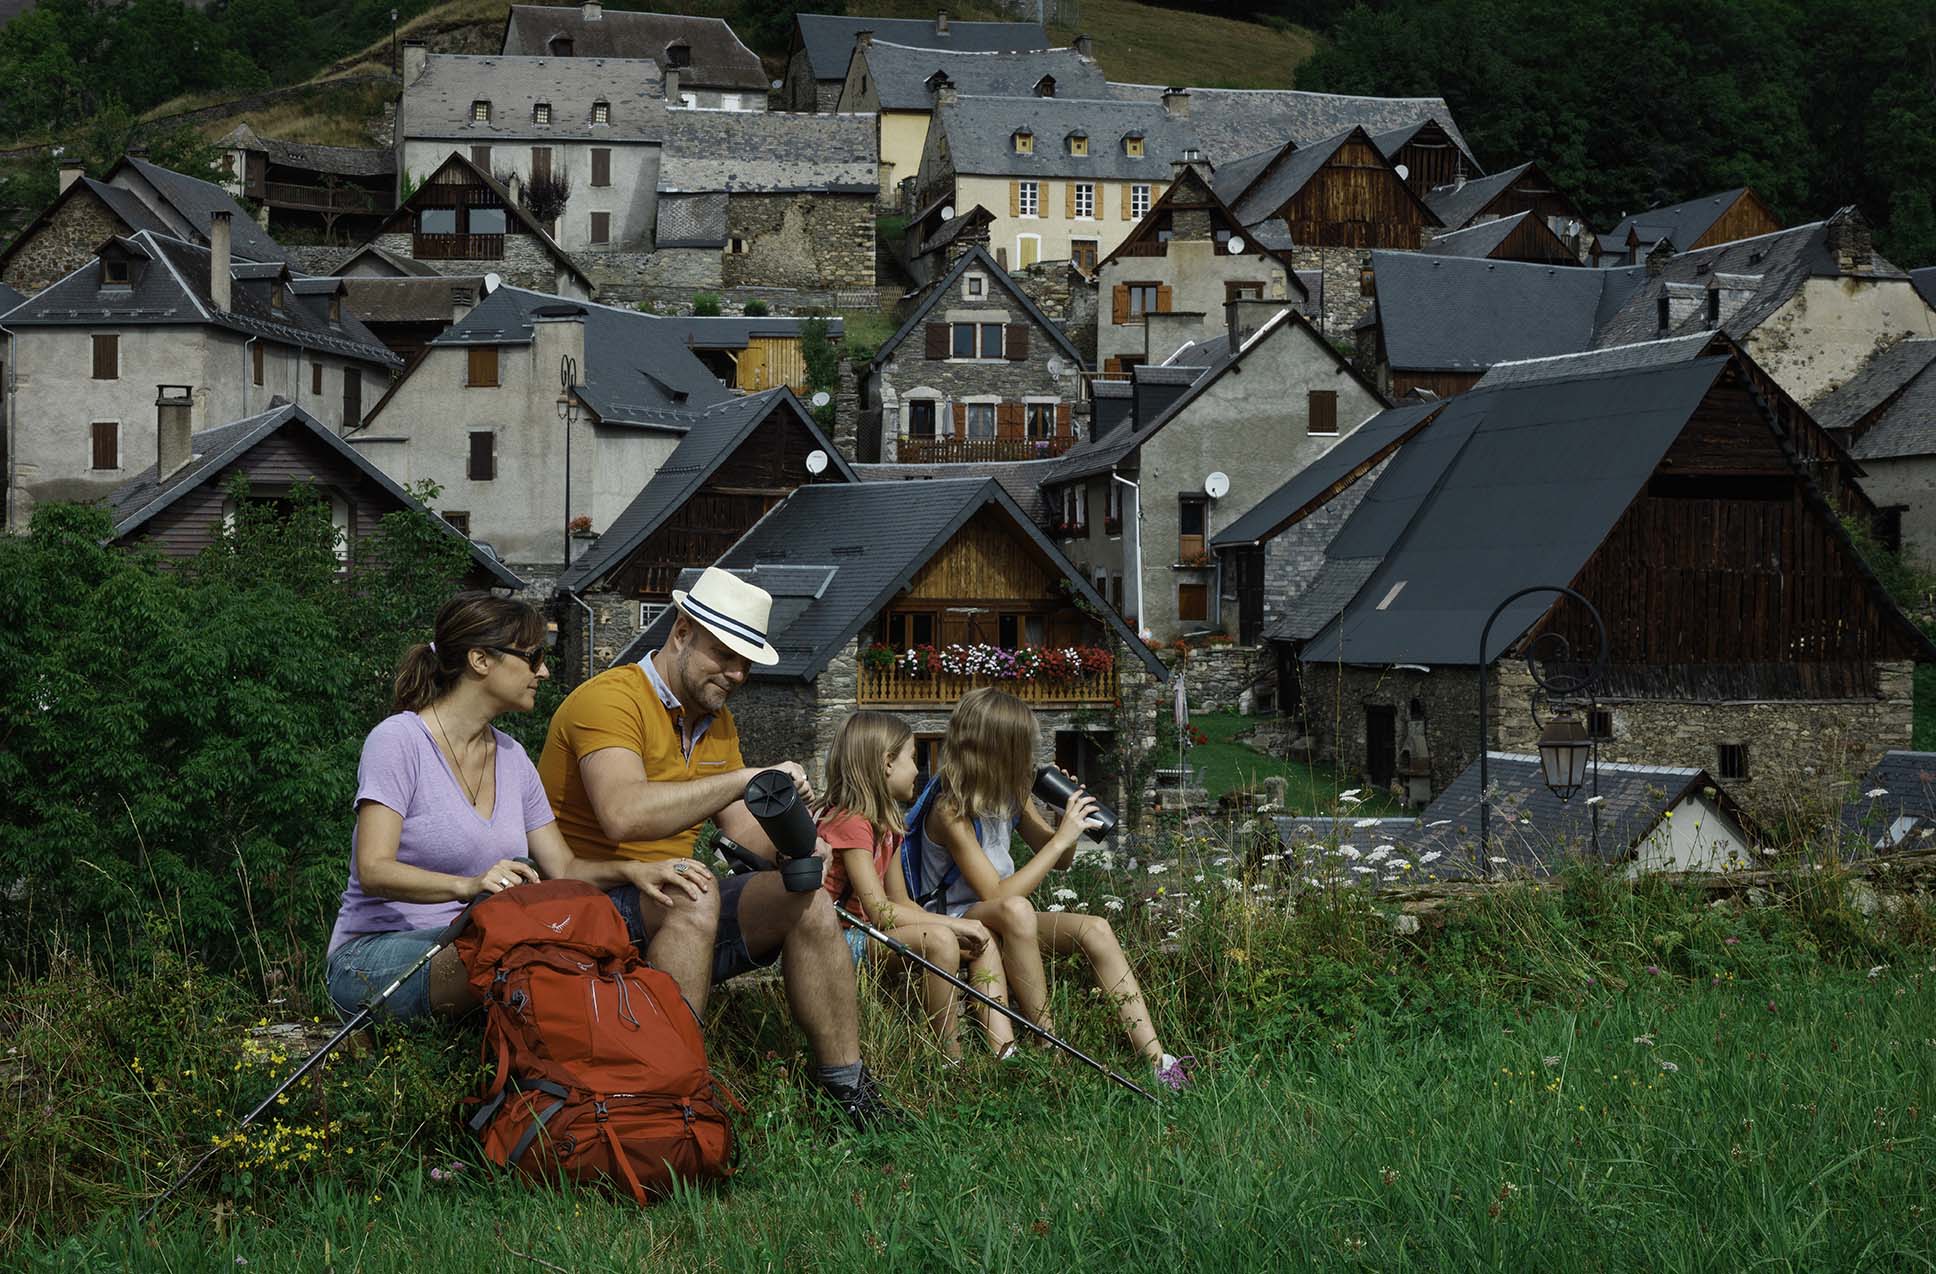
711 440
976 218
407 300
1449 313
1682 223
195 202
1901 419
1236 121
854 547
1614 358
1494 498
135 502
1902 813
344 161
1337 581
172 287
1481 240
396 264
829 39
1925 281
1459 203
978 257
1022 479
403 217
1392 140
769 151
691 221
901 72
437 104
719 59
10 298
637 367
1363 446
980 132
736 331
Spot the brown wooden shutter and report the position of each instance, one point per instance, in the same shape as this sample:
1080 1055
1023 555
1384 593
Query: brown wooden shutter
483 366
1008 420
1069 200
601 227
1112 368
483 457
961 420
1128 202
937 339
480 155
1062 420
1015 341
107 445
601 166
107 357
316 379
255 361
1014 198
1162 298
352 397
540 162
1119 304
1324 411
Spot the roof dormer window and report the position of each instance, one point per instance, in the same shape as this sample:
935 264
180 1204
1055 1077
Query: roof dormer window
1045 87
678 53
935 81
275 297
1078 143
561 46
541 112
336 309
601 112
1133 145
114 272
480 112
1024 142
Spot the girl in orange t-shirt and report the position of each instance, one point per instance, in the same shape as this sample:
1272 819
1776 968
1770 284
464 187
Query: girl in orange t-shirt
870 777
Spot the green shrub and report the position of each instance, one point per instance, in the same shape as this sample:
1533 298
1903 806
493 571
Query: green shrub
705 304
757 308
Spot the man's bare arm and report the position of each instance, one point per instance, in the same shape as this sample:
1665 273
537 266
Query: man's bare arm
631 807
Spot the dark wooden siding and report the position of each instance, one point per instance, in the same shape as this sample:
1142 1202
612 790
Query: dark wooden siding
1533 191
1444 384
1746 219
1430 159
1533 240
1356 201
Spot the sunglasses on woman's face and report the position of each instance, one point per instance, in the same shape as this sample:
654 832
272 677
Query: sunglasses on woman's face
534 658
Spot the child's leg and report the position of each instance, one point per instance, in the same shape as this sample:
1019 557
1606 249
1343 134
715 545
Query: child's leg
938 945
985 974
1063 932
1013 922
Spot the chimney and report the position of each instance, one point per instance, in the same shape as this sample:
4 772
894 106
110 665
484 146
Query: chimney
416 56
941 22
1849 242
591 11
863 38
1657 257
220 276
946 93
1085 48
71 171
1245 315
1176 101
672 85
174 433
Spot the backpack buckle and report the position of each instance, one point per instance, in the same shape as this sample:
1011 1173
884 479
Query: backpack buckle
599 1113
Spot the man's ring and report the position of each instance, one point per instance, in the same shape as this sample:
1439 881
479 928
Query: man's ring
679 867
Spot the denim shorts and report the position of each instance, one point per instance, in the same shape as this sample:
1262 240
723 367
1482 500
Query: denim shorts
730 956
369 962
857 943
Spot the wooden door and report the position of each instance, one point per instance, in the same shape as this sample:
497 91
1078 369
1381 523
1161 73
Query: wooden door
1381 743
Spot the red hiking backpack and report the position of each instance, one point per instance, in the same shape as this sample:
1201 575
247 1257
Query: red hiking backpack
601 1072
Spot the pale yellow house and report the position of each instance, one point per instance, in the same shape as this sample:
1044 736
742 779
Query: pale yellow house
898 83
1066 178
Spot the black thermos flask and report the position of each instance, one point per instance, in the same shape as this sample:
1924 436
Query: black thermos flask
783 816
1054 788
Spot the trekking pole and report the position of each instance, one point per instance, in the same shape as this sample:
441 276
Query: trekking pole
315 1059
750 861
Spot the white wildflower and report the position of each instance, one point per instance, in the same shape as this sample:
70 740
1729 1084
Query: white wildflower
1645 1041
1497 859
1551 1061
1877 971
1112 904
1056 906
1350 791
1874 792
1366 822
1351 800
1362 871
1198 878
1349 851
1596 800
1430 856
1157 869
1065 895
1669 1067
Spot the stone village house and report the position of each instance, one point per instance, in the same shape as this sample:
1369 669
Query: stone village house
864 572
1185 447
822 48
463 222
1886 415
977 372
336 193
1748 636
87 352
716 70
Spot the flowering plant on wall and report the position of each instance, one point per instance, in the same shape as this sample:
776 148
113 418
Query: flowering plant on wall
992 663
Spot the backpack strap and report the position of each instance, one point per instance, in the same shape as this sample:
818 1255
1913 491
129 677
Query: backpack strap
619 1157
911 849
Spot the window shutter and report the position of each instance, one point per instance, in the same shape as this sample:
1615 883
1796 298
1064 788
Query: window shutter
601 166
540 162
1112 368
1127 214
937 338
483 365
1015 341
961 420
1069 200
483 458
1162 298
601 227
1014 198
107 359
352 397
1062 420
316 379
1119 304
1008 420
1324 411
106 449
255 366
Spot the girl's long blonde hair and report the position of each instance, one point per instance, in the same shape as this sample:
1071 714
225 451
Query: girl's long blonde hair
988 755
857 772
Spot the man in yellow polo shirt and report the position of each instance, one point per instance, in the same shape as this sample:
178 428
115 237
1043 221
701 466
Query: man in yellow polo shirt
637 759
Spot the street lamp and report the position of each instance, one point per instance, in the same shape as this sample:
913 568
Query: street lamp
1567 755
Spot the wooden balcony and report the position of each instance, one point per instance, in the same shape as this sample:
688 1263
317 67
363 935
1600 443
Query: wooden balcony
457 247
280 194
912 450
891 688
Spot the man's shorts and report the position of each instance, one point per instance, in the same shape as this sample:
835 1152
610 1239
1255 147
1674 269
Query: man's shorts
730 956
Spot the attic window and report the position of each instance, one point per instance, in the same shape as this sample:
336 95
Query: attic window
1078 143
336 309
1045 87
561 46
1664 313
541 113
601 112
275 297
480 112
1024 142
1714 307
974 287
114 270
678 53
1133 145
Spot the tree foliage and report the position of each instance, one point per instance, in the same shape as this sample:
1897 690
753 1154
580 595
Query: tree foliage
1816 106
182 740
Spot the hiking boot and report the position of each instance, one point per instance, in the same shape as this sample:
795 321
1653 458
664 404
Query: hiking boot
865 1105
1170 1072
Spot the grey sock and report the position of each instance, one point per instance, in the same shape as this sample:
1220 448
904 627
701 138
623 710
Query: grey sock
840 1079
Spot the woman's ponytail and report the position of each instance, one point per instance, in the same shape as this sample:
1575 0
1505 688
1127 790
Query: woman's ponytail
468 621
420 679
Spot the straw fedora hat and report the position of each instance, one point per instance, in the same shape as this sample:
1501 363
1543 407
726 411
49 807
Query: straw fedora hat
732 610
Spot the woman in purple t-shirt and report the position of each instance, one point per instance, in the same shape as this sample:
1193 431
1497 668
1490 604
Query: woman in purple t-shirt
446 804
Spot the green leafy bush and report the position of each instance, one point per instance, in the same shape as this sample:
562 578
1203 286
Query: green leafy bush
757 308
705 304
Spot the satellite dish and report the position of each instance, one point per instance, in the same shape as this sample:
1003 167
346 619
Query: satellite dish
1056 368
816 462
947 212
1217 485
492 282
820 399
1236 244
1402 171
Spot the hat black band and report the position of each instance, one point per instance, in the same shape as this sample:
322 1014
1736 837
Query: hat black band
707 615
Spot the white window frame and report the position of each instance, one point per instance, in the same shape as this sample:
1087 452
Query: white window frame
994 406
974 287
1085 194
1036 400
1028 199
1139 199
649 612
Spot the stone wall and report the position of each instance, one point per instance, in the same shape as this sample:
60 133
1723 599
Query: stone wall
1444 700
316 258
1292 560
1220 677
63 245
801 240
1342 295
